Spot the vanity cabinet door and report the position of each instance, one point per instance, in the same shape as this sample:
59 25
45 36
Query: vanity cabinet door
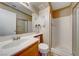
30 51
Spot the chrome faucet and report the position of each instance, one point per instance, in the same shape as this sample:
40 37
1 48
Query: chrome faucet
16 38
38 27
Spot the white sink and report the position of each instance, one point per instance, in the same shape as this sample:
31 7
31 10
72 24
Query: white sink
16 43
12 44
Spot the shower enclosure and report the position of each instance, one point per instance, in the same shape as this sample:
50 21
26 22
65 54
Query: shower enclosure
65 34
62 36
75 31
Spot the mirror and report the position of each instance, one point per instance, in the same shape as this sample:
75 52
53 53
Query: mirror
23 26
11 25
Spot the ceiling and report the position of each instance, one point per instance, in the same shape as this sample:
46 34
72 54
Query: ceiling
39 5
19 7
26 7
59 5
55 5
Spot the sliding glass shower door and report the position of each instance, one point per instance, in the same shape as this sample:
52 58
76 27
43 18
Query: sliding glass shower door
75 32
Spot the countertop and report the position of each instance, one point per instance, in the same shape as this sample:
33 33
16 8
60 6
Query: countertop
5 38
25 44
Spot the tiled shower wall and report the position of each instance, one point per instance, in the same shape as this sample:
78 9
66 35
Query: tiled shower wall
62 32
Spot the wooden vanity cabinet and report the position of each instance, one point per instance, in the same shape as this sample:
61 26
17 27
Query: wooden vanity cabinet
30 51
40 36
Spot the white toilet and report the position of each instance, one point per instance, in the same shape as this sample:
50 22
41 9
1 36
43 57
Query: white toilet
43 48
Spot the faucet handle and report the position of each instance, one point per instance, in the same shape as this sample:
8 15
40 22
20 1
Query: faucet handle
15 38
18 37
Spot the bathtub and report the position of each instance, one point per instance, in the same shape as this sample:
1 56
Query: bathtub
61 52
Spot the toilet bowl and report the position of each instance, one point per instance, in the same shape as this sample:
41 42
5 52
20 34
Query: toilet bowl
43 48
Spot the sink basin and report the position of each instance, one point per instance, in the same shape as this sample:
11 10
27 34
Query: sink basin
16 43
12 44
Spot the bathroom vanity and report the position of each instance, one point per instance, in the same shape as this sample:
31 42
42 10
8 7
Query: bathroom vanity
27 45
32 50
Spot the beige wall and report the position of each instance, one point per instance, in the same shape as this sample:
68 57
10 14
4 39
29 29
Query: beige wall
18 14
43 18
